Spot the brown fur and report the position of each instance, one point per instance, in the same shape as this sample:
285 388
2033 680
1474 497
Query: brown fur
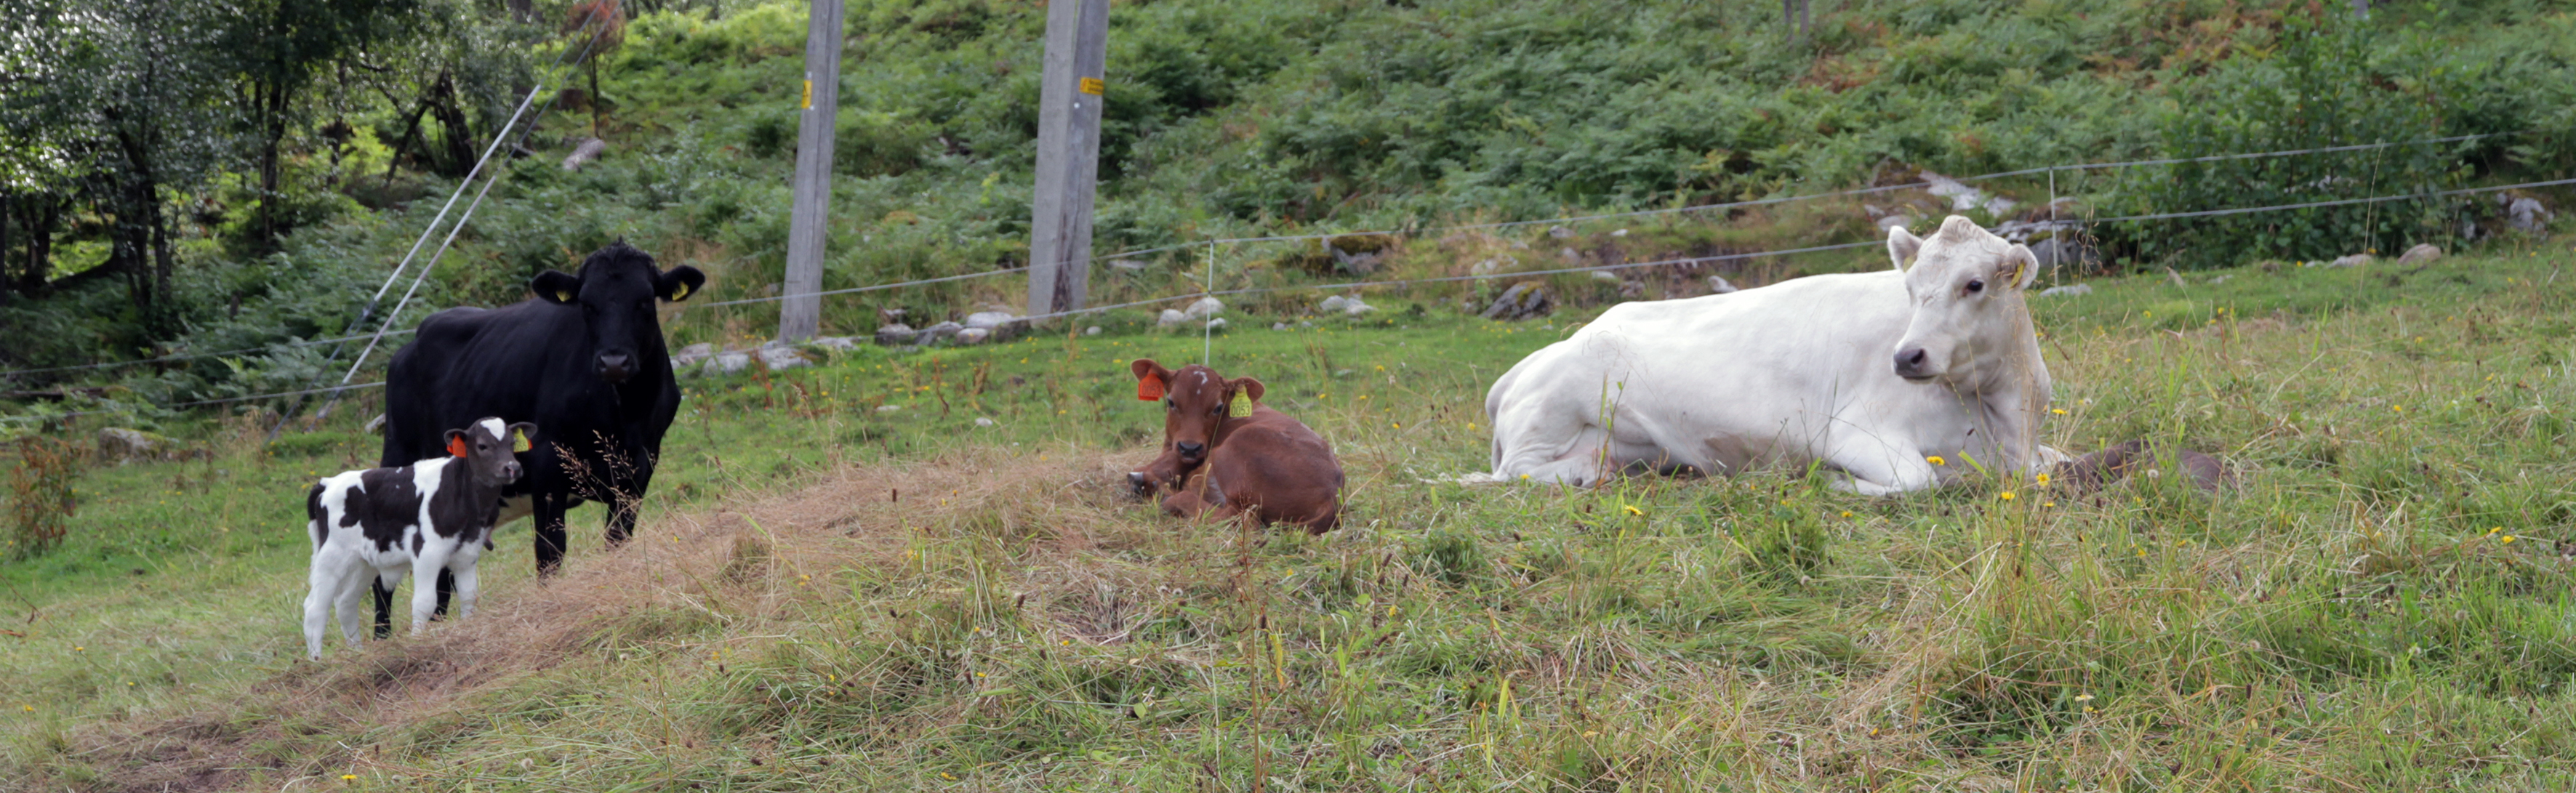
1266 467
2108 466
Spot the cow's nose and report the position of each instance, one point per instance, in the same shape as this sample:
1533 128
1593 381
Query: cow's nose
1191 449
1909 363
613 365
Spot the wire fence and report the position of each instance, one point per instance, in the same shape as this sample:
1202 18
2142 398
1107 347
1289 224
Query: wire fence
1207 287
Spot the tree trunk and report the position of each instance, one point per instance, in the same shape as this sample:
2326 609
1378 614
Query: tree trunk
5 217
460 143
411 131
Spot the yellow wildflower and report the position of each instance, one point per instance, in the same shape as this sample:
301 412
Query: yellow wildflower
2006 495
2043 479
1936 460
1634 511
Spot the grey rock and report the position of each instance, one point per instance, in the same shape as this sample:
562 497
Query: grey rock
1331 304
1619 233
2419 254
581 155
1569 254
888 408
1278 326
1091 331
727 362
1204 307
896 335
1127 264
1717 285
1524 300
981 421
692 354
837 343
1893 221
780 355
940 332
1004 325
1355 263
1561 232
2527 214
1605 276
1215 324
2355 260
2069 290
974 335
121 445
1171 317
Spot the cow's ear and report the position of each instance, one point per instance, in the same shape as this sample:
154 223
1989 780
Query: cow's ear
1901 246
677 283
1246 386
553 286
456 443
521 435
1151 379
2019 267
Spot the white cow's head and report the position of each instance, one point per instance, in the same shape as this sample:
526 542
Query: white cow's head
1966 285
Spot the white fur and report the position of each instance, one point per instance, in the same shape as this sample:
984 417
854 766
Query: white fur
346 561
1796 373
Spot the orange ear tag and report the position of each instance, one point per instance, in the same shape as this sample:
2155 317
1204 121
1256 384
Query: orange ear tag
1149 388
456 447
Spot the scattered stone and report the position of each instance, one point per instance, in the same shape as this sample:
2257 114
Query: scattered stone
1170 317
779 355
727 362
889 316
981 421
2220 280
122 445
1215 324
1717 285
2069 290
2420 254
1605 276
896 335
1491 266
974 335
1091 331
1203 308
888 408
375 425
1524 300
1127 264
1350 306
938 333
1331 304
1003 325
1278 326
1893 221
2355 260
690 355
1569 254
1619 233
581 155
1361 263
837 343
2526 214
1560 232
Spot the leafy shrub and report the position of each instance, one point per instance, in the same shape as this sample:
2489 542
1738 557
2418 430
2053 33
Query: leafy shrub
40 494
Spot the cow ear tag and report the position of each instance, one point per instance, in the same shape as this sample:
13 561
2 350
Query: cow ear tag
519 441
562 296
456 447
1149 388
1241 407
679 290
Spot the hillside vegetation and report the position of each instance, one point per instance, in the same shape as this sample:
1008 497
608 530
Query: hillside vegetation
827 594
1252 119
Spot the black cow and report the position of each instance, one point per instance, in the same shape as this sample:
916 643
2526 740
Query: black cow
584 361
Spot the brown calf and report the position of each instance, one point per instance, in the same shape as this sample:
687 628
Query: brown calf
1226 455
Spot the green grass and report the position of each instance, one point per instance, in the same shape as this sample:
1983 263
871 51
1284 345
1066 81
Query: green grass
826 595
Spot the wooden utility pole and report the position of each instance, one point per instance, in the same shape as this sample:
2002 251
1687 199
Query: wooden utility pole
802 312
1069 98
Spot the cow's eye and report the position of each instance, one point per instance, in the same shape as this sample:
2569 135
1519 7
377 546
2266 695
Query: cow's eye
1976 285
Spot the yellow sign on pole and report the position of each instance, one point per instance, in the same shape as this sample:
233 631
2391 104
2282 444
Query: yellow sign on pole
809 94
1093 86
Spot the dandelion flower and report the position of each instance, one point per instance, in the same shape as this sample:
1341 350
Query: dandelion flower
1936 460
2051 504
348 777
1846 513
2043 479
2058 411
1634 511
2508 538
2006 495
2083 697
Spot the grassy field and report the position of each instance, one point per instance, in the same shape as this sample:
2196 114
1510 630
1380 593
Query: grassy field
826 594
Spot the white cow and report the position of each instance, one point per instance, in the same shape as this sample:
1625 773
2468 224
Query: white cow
1869 375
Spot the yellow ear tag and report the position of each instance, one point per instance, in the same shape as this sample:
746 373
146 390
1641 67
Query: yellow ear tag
679 291
563 297
1241 407
519 441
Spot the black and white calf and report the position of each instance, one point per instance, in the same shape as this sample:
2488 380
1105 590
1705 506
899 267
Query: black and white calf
380 523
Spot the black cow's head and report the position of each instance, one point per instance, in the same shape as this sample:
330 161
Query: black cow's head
615 292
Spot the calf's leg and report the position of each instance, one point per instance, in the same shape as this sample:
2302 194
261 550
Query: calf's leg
432 559
329 579
384 607
468 586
